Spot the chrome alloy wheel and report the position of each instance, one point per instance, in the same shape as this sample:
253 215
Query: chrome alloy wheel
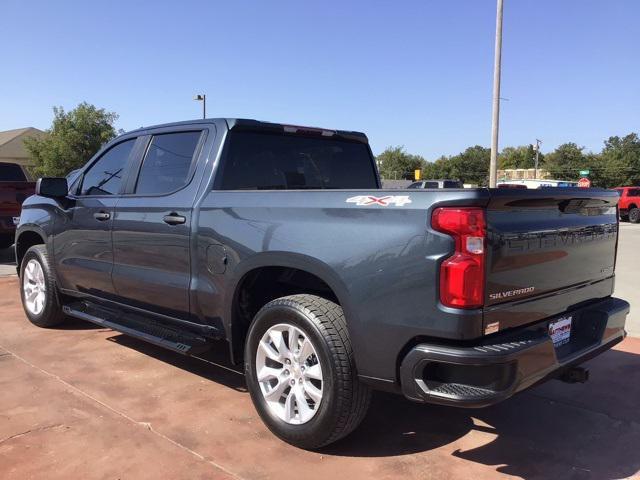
34 287
289 374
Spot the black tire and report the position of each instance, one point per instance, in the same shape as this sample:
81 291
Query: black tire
634 215
51 314
345 399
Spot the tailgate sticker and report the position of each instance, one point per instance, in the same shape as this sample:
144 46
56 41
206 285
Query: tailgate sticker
365 200
560 331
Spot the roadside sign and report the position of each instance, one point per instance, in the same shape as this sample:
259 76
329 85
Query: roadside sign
417 174
584 182
585 172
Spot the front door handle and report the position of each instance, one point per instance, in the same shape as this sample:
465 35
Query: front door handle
102 216
174 219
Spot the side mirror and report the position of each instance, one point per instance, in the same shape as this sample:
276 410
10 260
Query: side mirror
53 187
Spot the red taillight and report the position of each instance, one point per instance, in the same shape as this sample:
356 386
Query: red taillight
462 274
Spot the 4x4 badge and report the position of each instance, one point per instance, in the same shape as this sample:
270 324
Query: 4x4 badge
397 200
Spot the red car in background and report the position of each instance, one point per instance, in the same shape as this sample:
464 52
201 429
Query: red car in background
15 187
629 204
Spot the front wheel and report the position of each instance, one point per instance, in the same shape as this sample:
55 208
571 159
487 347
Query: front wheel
301 373
634 215
38 289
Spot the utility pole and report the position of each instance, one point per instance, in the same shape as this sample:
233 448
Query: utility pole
493 166
537 150
202 98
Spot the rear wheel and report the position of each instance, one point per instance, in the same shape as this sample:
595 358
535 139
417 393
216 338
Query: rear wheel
38 291
634 215
301 371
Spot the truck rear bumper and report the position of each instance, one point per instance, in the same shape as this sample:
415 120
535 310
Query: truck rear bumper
504 364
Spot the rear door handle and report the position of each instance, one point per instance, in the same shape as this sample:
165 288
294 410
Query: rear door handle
102 216
174 219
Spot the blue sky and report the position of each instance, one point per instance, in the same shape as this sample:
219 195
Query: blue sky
412 73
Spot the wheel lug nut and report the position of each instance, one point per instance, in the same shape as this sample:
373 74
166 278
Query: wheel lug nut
286 372
300 381
302 368
293 382
287 361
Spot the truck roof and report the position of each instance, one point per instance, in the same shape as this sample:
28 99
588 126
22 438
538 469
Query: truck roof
257 125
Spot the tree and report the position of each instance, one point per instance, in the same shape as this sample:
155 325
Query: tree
566 161
74 137
519 157
396 163
470 166
620 161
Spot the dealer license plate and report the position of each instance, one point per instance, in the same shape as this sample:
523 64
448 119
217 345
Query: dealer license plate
560 331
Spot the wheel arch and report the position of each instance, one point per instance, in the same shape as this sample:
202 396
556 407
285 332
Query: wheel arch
27 238
237 321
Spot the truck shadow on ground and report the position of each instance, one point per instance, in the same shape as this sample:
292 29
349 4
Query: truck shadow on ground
213 365
7 256
556 430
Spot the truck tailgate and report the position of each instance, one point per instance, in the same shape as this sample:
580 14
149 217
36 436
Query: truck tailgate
548 250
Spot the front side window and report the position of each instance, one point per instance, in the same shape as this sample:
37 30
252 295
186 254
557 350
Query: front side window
266 161
105 175
167 164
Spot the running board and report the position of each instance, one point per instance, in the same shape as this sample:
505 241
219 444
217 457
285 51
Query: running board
139 326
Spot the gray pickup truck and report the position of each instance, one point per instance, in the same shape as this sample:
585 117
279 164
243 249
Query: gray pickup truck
279 240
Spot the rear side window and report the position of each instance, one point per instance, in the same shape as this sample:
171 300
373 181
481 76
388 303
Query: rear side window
451 184
104 177
10 172
266 161
633 192
167 164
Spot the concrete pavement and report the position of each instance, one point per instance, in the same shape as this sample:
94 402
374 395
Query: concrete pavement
85 402
628 273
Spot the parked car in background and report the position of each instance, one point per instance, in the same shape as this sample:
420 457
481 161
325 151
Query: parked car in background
629 204
280 241
15 188
540 183
512 185
436 184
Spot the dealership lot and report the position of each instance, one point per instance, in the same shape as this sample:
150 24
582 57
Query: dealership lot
86 402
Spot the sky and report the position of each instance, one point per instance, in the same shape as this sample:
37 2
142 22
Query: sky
412 73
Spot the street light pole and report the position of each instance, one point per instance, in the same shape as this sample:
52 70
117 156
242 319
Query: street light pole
493 166
537 149
202 98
